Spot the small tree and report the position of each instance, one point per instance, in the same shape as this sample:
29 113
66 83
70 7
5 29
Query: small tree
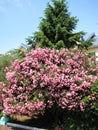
49 79
56 28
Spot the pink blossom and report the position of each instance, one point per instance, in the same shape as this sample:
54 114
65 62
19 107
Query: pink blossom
82 106
45 77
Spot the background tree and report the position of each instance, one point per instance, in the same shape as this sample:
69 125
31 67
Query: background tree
7 58
86 42
5 61
56 29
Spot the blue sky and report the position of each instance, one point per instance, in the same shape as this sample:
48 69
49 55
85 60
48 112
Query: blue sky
20 18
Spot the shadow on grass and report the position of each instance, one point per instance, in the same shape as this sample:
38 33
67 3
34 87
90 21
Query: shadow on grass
43 122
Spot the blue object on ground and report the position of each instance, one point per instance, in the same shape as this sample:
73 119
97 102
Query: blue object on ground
22 126
4 120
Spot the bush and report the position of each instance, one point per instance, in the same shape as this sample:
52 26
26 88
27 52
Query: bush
51 80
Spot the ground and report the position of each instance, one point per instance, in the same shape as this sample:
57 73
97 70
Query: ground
2 127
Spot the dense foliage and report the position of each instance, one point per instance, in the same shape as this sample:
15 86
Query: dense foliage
66 79
6 60
55 30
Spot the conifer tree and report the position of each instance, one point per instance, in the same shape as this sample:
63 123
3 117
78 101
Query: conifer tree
56 28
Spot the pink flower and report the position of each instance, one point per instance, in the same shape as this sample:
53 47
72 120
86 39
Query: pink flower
82 106
40 95
45 77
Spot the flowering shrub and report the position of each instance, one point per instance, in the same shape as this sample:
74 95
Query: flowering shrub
48 77
1 100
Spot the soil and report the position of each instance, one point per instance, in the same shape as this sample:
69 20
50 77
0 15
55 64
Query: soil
2 127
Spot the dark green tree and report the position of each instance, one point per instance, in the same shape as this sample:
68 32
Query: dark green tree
85 43
56 28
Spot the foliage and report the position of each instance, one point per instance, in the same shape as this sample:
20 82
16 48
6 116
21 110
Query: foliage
17 53
56 29
49 79
80 121
85 43
7 59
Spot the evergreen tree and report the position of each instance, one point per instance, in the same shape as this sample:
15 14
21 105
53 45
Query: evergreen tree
56 28
85 43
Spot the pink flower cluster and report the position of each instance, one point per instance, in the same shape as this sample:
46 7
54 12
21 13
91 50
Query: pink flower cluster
48 77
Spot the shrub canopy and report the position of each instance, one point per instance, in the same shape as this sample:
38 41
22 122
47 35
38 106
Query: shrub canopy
45 78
